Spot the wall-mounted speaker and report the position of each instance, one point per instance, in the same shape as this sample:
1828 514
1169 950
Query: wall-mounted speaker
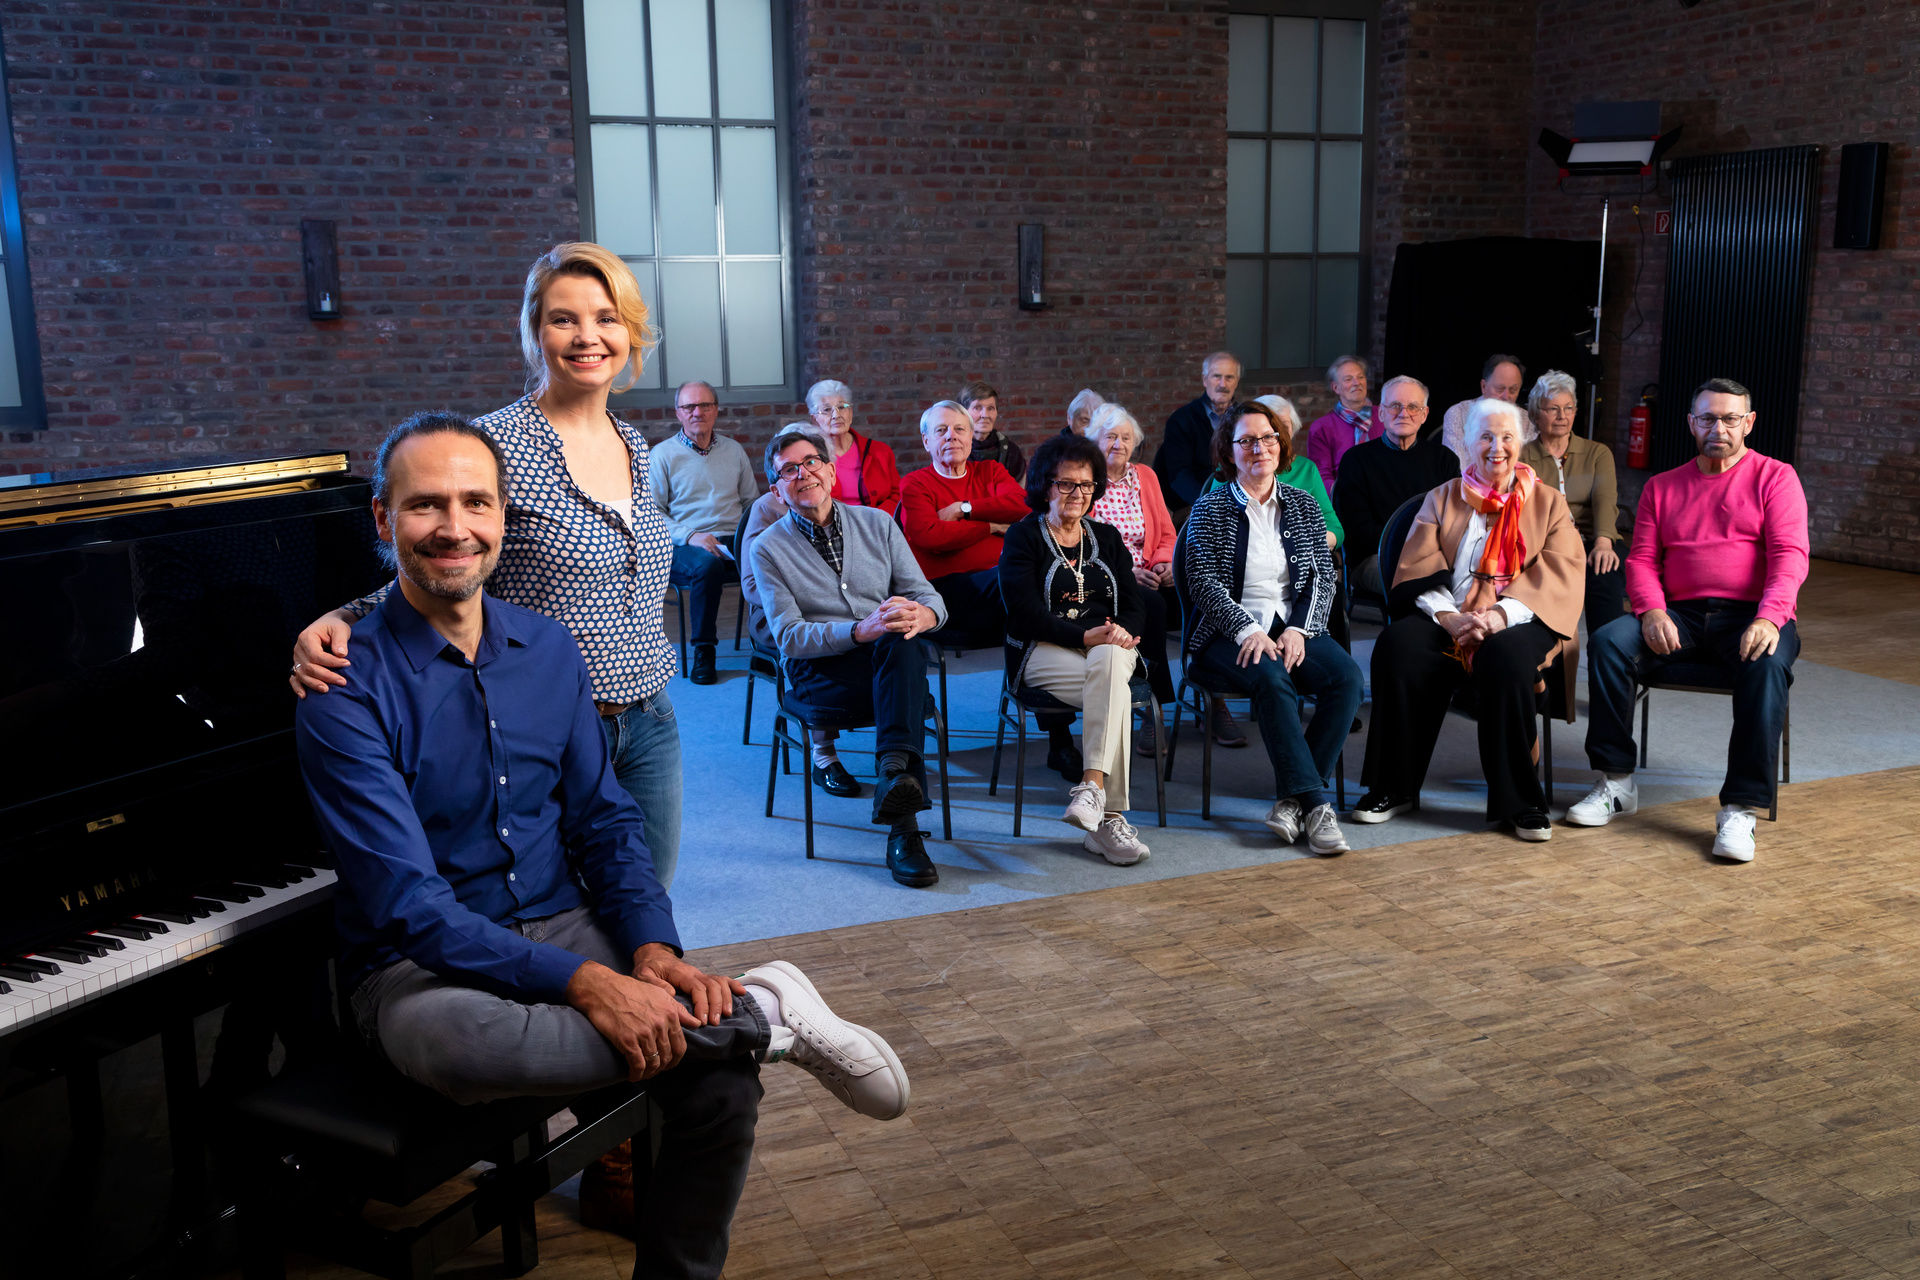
320 263
1863 190
1033 255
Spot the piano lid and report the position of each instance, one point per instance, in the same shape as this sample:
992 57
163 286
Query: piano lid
51 497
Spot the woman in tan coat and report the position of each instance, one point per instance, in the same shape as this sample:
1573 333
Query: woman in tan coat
1487 588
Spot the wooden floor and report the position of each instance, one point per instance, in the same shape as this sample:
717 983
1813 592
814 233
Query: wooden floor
1865 620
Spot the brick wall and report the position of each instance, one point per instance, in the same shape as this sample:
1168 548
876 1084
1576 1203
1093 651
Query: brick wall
1752 75
166 157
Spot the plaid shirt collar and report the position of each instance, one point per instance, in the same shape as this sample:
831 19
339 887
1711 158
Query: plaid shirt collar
828 541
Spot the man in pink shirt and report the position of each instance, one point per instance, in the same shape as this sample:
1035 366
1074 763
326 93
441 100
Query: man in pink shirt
1353 421
1719 552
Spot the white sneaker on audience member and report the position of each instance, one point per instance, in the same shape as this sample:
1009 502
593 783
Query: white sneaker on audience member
1284 820
1608 797
1733 837
856 1065
1085 803
1116 841
1324 836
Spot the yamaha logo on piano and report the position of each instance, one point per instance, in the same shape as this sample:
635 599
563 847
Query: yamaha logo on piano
99 891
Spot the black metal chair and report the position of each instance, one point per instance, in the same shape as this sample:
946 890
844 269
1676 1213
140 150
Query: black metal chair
1026 699
679 590
1205 695
1707 677
786 738
763 663
315 1144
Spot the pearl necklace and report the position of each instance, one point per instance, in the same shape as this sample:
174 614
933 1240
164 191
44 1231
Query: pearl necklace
1076 566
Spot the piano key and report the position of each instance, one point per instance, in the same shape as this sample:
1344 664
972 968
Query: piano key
138 932
38 966
18 975
103 941
172 915
204 907
67 952
225 893
267 878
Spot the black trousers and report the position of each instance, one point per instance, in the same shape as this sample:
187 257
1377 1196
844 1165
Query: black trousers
1153 640
1606 597
1413 681
974 606
884 683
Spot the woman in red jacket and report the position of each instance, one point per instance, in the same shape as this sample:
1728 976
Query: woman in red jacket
865 473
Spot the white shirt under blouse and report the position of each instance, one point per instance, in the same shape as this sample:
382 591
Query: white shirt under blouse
1266 592
1465 560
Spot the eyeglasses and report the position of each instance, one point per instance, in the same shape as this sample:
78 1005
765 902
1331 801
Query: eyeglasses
1394 409
698 406
833 410
1719 419
1071 488
812 462
1558 411
1268 441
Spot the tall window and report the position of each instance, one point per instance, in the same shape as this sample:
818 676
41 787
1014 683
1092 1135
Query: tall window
1299 128
23 402
680 110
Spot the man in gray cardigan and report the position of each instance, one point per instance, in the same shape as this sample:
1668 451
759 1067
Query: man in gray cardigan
845 598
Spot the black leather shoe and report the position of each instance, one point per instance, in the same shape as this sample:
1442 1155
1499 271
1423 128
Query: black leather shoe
1226 730
1067 762
1146 736
908 861
835 780
1533 825
703 672
896 797
1378 806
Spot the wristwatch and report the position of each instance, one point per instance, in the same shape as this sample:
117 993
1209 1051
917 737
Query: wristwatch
966 511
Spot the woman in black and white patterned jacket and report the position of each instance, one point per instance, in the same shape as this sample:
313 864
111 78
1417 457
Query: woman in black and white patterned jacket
1259 579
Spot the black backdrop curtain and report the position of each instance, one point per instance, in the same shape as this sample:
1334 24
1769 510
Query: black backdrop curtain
1455 302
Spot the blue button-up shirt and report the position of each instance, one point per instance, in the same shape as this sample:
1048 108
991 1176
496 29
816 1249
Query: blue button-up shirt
460 796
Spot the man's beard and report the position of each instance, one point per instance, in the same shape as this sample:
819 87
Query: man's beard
434 582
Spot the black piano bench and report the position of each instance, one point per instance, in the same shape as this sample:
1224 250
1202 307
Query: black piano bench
315 1145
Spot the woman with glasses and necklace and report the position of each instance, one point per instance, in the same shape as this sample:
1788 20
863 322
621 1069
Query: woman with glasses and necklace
1073 624
865 472
1582 470
1259 579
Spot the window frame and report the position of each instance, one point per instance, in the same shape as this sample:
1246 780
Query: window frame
31 413
583 121
1367 11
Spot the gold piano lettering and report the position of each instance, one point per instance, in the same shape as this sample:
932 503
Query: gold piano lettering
100 893
66 900
117 886
81 895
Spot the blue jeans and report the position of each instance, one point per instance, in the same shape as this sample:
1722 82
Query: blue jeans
644 742
1709 637
1302 761
702 576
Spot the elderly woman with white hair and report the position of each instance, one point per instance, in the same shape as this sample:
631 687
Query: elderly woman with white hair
1133 504
1080 411
1486 590
1583 472
865 472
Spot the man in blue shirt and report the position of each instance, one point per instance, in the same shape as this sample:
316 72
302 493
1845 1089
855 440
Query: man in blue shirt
504 932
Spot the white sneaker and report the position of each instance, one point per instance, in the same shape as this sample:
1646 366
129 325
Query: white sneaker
1607 798
1116 841
1323 832
1085 804
1284 820
1734 833
856 1065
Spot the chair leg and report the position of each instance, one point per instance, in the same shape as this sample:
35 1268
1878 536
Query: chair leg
1546 756
1786 763
999 742
1203 714
519 1235
1160 746
1340 778
806 785
1646 709
680 598
1019 767
746 725
946 797
739 621
773 761
1173 735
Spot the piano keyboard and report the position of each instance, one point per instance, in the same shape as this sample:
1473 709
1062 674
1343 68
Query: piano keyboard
112 957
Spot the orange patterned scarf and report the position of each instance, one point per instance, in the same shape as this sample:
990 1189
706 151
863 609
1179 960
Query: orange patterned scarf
1505 553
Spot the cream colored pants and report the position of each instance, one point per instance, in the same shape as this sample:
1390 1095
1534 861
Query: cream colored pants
1095 680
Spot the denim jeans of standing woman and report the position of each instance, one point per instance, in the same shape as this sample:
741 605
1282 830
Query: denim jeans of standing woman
644 742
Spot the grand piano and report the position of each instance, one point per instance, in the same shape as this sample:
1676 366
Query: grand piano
156 849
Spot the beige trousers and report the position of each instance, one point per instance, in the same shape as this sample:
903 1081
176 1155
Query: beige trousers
1095 680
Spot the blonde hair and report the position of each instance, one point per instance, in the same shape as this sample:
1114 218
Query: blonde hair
592 262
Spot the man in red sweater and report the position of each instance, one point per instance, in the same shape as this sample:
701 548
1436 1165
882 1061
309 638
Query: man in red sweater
954 513
1719 552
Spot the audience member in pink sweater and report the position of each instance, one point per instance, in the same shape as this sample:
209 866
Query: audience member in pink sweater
1719 553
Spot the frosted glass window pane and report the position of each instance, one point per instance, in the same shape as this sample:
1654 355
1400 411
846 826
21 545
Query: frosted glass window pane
1244 194
1247 73
1293 79
1243 309
690 321
616 58
750 189
649 294
1288 307
622 188
9 368
1343 71
1338 327
745 31
687 201
1292 209
1340 197
680 58
755 354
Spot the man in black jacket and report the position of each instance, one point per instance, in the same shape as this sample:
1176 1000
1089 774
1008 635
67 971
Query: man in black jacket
1184 461
1376 477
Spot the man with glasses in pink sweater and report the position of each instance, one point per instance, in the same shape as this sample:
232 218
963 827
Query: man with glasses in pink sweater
1719 552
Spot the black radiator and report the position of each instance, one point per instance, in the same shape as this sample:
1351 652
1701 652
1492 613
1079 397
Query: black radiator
1739 272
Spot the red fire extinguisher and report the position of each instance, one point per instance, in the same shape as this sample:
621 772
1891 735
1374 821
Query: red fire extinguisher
1640 429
